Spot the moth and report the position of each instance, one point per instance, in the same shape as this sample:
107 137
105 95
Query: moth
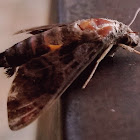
49 61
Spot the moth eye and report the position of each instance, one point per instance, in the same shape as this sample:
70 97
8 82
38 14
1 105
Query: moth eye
124 40
133 44
127 40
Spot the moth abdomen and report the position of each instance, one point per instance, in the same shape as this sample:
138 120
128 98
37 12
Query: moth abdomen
25 50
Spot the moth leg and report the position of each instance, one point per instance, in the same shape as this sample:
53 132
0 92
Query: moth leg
97 63
130 49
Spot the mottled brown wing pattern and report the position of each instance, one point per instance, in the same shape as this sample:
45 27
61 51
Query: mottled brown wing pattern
42 80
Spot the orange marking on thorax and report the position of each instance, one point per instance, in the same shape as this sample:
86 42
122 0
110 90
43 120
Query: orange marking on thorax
99 21
86 25
105 31
54 47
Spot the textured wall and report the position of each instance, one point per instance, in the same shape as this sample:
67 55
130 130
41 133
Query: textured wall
16 15
109 107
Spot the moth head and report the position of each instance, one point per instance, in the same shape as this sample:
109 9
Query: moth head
126 35
130 38
133 37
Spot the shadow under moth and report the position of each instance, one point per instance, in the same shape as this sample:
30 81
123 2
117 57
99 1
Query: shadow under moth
52 58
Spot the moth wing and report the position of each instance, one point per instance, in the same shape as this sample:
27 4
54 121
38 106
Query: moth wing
40 29
42 80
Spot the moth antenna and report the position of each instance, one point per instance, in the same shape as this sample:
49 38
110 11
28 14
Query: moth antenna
129 48
138 10
97 63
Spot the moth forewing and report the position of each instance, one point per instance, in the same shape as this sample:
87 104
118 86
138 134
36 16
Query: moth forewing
45 79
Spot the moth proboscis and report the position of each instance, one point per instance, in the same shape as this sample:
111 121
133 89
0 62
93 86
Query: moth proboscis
53 57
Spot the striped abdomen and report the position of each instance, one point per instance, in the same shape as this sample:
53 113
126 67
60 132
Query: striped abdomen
27 49
37 45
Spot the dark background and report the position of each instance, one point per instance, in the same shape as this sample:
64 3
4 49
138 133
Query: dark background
109 107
